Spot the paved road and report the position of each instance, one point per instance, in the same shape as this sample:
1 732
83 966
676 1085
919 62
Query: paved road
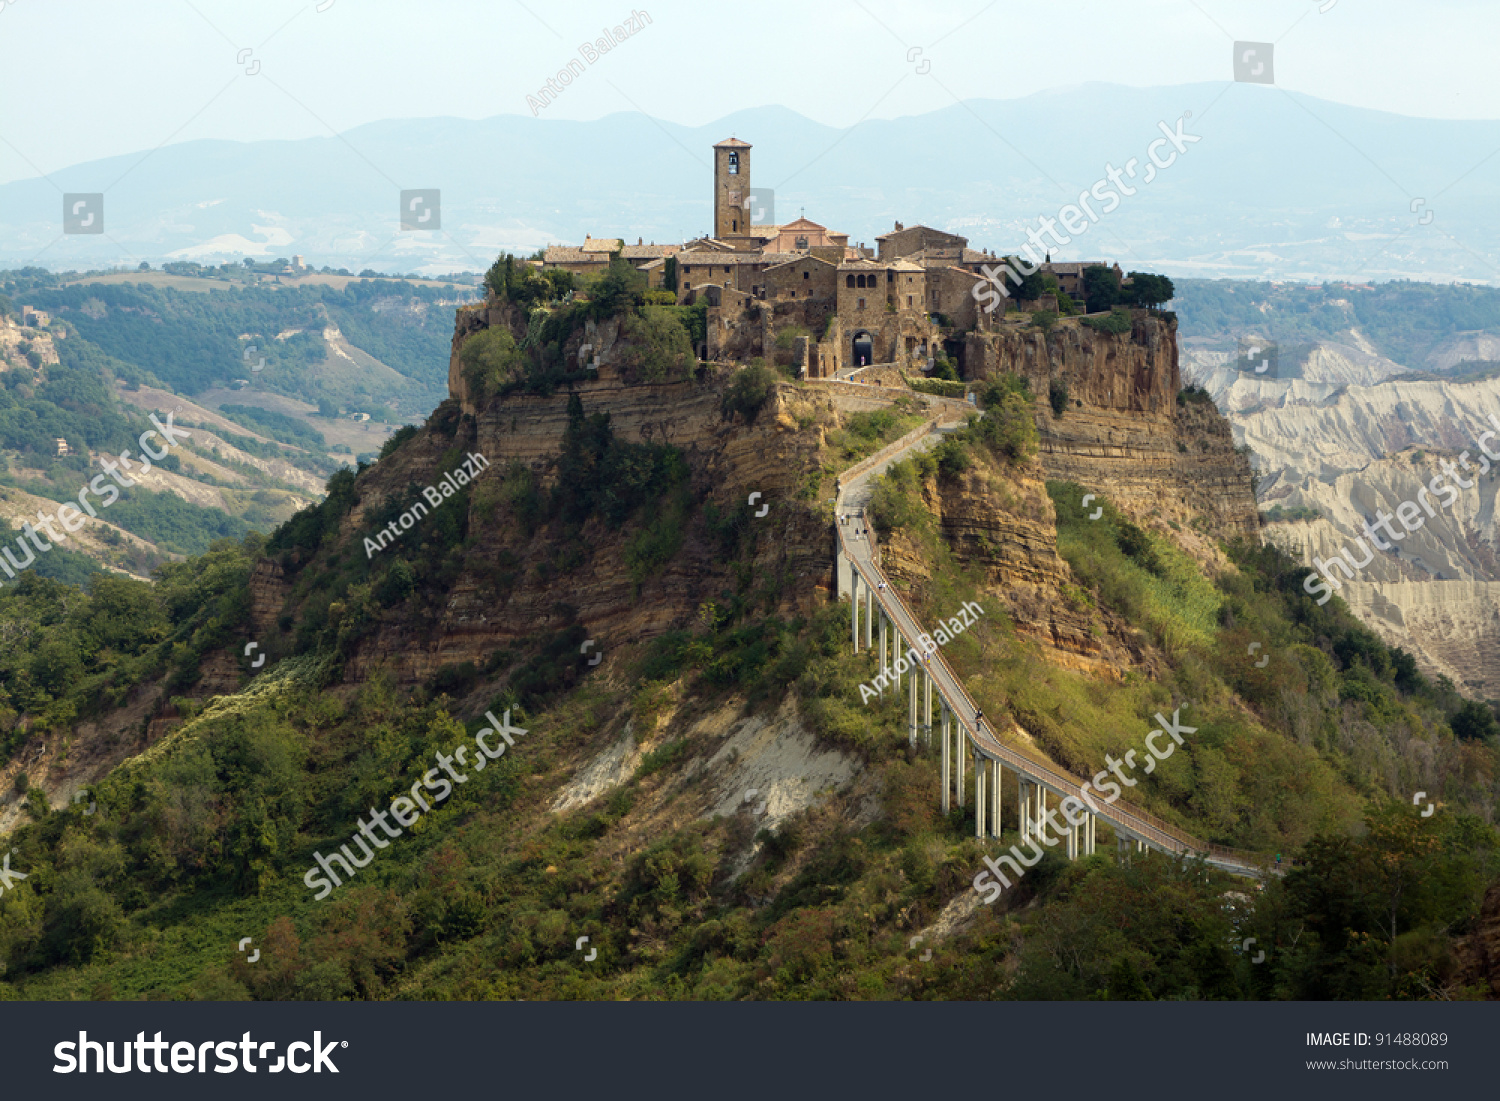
1126 819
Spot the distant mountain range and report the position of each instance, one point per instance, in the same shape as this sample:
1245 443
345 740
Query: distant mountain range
1279 186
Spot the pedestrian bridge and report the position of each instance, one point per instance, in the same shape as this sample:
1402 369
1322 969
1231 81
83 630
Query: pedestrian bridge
974 756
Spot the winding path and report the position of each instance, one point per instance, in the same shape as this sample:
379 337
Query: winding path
1129 822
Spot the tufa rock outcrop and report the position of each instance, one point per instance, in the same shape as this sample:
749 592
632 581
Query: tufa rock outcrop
1121 432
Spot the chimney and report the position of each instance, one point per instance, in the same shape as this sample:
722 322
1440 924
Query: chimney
637 240
899 227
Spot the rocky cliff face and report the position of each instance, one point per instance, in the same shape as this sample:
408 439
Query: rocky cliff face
513 585
1003 526
1122 433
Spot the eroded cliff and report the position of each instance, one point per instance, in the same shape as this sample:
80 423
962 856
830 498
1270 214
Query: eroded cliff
1117 428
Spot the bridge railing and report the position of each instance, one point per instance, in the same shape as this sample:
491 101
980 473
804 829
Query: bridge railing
1118 812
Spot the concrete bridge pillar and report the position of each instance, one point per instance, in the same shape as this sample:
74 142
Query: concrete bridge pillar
979 799
1023 807
1039 813
927 721
947 760
869 616
997 774
961 745
854 608
911 706
1091 836
884 621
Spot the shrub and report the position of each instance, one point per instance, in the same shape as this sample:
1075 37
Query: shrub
657 347
391 446
1117 322
748 392
943 388
897 500
489 359
1007 427
1057 394
952 458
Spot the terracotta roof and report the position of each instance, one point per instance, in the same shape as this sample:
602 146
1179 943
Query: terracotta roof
732 143
803 223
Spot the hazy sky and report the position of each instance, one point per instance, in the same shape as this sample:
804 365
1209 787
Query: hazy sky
83 79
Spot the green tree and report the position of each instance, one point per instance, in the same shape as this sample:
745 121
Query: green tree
489 359
1101 287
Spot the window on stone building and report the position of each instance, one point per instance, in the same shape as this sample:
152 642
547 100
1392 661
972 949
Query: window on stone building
861 304
908 302
851 280
804 275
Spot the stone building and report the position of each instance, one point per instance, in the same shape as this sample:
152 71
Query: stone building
901 242
800 295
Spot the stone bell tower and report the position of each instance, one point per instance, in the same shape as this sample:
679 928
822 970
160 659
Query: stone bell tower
731 188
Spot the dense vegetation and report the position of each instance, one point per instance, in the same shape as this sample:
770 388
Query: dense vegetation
656 336
205 837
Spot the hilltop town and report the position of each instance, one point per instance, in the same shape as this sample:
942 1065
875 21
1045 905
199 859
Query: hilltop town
830 307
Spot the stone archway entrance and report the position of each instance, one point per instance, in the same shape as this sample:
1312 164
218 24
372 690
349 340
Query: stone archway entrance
864 349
